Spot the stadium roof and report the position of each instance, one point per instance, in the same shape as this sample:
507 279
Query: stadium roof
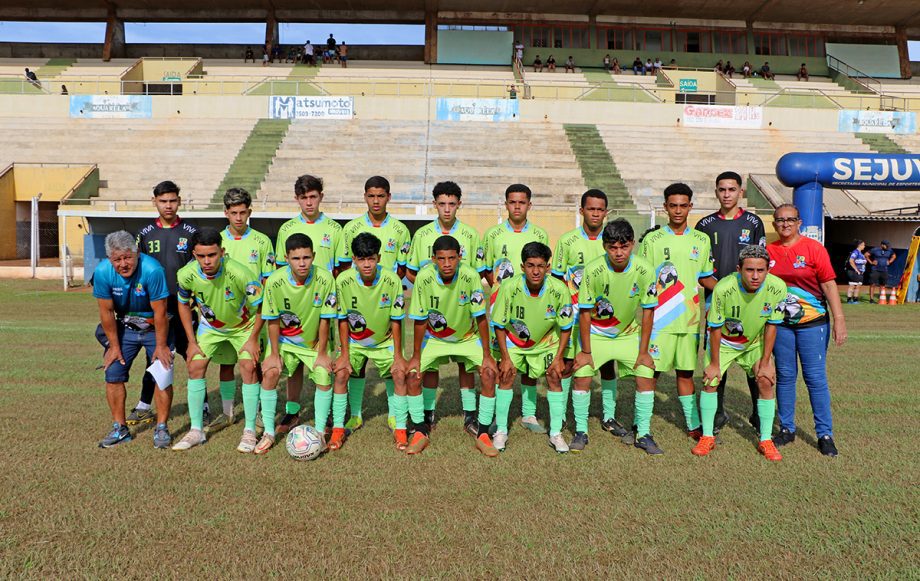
848 12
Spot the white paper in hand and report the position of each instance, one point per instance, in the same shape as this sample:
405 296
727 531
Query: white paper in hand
162 375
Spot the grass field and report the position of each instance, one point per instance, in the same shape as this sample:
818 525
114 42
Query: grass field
71 510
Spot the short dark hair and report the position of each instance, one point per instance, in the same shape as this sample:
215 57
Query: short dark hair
593 193
445 243
307 183
166 187
446 189
297 241
678 189
618 231
729 175
237 196
377 182
754 251
365 245
205 237
518 188
536 250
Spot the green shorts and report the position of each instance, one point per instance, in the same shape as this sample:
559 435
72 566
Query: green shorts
223 348
532 362
675 351
292 358
436 353
381 356
746 358
574 346
227 355
624 350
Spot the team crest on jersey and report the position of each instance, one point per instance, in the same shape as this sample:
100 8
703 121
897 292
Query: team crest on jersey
695 253
652 290
577 275
505 270
766 310
566 311
437 325
400 302
667 274
550 312
182 245
634 290
391 245
385 300
252 290
290 324
254 256
317 300
139 290
477 298
228 294
603 308
357 328
209 315
520 337
331 301
326 241
745 236
799 262
271 259
654 351
404 249
480 253
733 327
464 298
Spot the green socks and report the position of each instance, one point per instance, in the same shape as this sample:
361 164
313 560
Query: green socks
580 402
609 398
391 396
486 409
322 403
269 400
355 395
251 404
709 402
339 403
416 408
197 391
691 411
227 393
645 403
502 408
468 400
766 410
566 390
529 401
400 410
292 407
556 400
429 396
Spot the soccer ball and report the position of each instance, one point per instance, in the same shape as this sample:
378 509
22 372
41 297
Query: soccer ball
305 443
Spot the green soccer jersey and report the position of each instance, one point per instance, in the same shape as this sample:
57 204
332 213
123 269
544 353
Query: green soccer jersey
253 250
680 260
742 315
573 251
299 306
227 301
532 321
502 248
324 232
613 298
369 309
394 240
471 251
450 309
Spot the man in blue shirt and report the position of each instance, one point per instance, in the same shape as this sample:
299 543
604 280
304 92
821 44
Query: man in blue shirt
879 258
131 291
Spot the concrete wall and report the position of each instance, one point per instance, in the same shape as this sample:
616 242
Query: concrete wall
875 60
475 47
52 181
7 215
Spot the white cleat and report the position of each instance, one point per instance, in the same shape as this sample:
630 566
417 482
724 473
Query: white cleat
190 440
248 442
500 440
558 444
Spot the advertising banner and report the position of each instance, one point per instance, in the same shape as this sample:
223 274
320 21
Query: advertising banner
326 107
876 121
111 106
455 109
726 116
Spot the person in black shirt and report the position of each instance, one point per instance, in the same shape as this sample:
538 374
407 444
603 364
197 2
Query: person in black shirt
166 238
729 230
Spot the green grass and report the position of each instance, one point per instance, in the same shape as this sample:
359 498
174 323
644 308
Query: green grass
254 158
881 143
598 168
69 509
610 90
298 82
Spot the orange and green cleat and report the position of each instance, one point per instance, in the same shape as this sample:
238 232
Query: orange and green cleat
769 451
704 446
337 438
419 443
401 439
484 445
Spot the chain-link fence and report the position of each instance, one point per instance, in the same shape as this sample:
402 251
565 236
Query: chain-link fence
47 240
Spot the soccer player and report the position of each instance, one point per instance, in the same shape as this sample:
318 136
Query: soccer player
299 304
613 289
502 245
448 307
446 202
166 239
131 291
742 328
324 231
228 298
575 249
730 230
253 250
371 308
682 260
393 234
532 316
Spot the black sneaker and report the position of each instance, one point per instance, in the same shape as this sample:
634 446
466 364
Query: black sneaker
719 423
429 418
614 427
471 424
286 424
784 437
648 444
579 442
827 447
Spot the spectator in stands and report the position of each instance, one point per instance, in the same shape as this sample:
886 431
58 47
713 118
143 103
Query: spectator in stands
658 64
519 53
249 55
551 64
330 43
570 64
512 91
803 73
292 54
343 54
537 65
64 90
277 53
32 78
638 67
607 66
880 258
746 70
329 53
856 270
308 54
649 67
765 71
616 66
729 69
265 53
672 64
719 68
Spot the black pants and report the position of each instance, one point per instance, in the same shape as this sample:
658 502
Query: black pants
177 335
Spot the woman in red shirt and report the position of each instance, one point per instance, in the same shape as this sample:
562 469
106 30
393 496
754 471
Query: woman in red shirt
804 265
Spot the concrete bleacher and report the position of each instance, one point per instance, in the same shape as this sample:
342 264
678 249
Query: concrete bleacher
409 78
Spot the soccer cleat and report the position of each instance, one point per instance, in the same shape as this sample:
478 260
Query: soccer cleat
265 444
785 436
769 451
695 434
558 444
531 423
286 424
429 419
704 446
402 440
118 435
206 415
484 445
337 439
354 424
248 442
500 440
419 443
138 417
219 423
190 440
161 437
579 442
827 447
391 423
614 427
720 422
648 444
471 425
